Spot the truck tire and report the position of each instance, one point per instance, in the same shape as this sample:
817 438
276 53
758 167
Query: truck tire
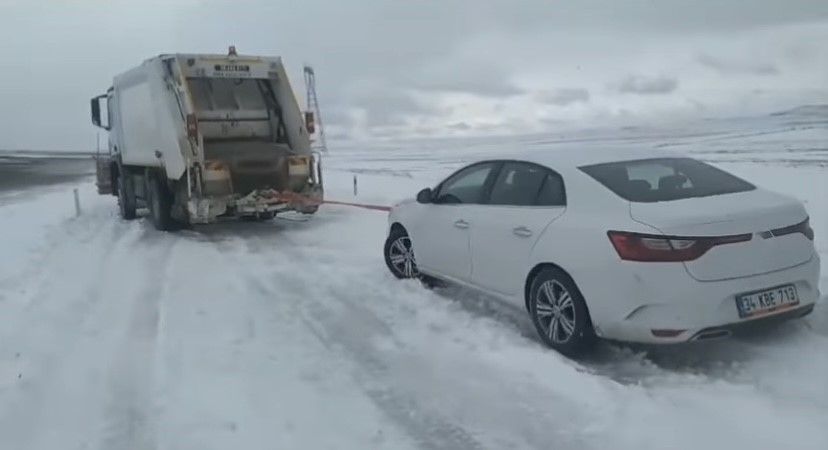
160 204
126 195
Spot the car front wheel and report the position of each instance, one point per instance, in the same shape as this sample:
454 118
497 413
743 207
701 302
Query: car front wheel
399 254
559 313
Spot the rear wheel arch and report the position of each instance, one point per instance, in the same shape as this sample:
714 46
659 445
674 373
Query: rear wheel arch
527 285
560 315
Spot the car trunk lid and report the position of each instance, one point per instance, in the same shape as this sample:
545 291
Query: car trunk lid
756 212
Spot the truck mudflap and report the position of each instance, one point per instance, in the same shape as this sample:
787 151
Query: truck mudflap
206 210
103 175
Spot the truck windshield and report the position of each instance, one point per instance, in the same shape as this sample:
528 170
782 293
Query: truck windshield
227 94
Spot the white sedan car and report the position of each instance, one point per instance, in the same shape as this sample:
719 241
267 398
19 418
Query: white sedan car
631 246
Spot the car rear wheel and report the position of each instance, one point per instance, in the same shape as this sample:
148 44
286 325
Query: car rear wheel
559 313
399 254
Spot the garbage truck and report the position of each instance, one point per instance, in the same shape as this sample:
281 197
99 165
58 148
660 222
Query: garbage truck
197 138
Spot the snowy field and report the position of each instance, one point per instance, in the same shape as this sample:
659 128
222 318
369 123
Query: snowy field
292 334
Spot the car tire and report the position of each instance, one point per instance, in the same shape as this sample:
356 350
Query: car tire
399 254
560 314
160 204
126 195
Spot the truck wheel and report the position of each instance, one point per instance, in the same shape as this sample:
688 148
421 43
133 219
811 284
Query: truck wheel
160 204
126 195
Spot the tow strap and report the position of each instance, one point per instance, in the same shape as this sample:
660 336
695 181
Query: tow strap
359 205
299 199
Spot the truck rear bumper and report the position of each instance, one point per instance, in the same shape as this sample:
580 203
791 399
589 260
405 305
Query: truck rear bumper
210 209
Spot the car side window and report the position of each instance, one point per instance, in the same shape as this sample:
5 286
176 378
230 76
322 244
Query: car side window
466 186
524 184
552 192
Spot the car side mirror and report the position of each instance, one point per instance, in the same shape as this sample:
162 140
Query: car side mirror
424 196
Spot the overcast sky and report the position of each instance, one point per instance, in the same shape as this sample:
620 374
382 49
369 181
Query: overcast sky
442 67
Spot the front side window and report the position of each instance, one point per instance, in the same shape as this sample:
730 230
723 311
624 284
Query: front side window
665 179
523 184
466 186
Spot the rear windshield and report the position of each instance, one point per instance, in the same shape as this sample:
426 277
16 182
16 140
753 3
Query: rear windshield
665 179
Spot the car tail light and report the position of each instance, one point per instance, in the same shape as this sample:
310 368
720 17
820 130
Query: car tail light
659 248
803 227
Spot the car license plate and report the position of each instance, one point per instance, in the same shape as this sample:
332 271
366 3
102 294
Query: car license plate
767 301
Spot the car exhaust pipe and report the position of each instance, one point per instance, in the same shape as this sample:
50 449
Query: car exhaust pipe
706 335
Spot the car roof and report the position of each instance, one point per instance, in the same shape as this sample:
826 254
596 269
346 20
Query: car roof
574 157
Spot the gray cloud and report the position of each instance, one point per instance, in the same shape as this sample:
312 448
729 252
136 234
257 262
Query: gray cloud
636 84
563 97
336 115
389 107
470 77
734 66
492 51
460 126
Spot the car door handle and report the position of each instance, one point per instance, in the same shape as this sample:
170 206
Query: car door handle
522 231
461 224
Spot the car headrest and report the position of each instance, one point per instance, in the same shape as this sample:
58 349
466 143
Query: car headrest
671 182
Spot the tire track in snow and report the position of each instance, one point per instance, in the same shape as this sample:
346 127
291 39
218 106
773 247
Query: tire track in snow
59 322
427 428
340 313
129 419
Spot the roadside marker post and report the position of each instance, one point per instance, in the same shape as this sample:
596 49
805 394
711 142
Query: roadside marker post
77 203
355 185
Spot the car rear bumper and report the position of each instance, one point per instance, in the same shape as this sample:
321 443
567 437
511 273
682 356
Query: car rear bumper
691 310
730 329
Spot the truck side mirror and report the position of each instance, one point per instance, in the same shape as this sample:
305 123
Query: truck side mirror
310 122
95 105
96 112
424 196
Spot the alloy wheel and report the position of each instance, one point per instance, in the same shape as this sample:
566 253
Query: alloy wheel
401 256
555 311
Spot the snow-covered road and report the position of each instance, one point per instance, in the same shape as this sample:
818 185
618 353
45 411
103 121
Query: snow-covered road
291 334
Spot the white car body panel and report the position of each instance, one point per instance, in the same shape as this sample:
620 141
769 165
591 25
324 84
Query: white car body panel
626 299
444 247
502 239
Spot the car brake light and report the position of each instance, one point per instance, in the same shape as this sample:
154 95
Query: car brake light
803 227
658 248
